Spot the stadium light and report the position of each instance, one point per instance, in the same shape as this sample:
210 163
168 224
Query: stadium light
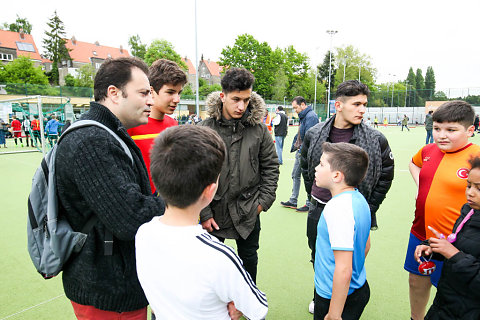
331 33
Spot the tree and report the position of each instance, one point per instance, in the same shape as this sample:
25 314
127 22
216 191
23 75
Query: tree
411 78
296 66
354 62
419 82
323 71
20 23
162 49
279 90
430 82
22 70
85 76
138 49
69 80
54 45
258 58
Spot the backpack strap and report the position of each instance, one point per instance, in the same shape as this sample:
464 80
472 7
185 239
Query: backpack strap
108 242
87 123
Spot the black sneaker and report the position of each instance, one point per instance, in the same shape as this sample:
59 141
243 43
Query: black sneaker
303 209
288 204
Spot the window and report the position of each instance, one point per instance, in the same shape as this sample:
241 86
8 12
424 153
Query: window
94 53
6 56
25 46
97 65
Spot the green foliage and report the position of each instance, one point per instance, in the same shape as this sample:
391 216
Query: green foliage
419 81
475 100
323 71
187 90
69 80
85 76
441 96
22 70
430 82
266 65
20 23
411 78
162 49
54 44
249 53
354 61
137 48
206 89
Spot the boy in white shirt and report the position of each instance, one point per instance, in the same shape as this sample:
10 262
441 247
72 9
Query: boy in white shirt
185 272
343 234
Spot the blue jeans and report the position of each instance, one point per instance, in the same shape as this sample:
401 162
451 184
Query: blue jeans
279 147
296 176
429 137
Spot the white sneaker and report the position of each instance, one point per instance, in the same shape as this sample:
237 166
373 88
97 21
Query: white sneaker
311 307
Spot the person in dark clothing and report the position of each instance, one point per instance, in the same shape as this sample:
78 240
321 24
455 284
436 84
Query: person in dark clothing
96 177
458 291
280 123
346 126
429 127
249 176
308 119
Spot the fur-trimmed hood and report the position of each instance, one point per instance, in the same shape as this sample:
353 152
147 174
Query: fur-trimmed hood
254 114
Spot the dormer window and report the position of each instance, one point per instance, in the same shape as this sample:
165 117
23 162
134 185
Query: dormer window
94 53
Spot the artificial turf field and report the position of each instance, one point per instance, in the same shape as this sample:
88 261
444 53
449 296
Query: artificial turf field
284 272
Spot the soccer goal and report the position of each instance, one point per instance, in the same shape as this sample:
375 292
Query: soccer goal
23 121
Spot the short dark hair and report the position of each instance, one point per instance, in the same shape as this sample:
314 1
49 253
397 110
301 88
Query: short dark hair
349 159
299 100
351 88
163 72
455 111
474 162
237 79
184 161
115 72
430 112
280 108
35 116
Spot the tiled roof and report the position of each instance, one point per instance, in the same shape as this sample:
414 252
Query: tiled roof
9 39
213 67
191 68
83 51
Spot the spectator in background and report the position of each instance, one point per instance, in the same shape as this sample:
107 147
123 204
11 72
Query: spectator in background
17 130
51 129
280 123
429 127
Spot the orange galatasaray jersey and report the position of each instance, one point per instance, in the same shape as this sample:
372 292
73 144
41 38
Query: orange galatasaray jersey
441 191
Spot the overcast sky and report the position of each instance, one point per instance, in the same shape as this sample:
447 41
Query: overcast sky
396 34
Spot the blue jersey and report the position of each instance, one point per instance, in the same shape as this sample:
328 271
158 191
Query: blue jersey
344 225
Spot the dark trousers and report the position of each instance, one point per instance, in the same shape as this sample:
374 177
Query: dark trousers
354 305
247 250
36 136
316 209
429 137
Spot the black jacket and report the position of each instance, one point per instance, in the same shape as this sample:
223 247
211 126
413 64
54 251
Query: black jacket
458 292
379 177
95 176
281 129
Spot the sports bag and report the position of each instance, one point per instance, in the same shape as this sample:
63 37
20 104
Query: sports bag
51 239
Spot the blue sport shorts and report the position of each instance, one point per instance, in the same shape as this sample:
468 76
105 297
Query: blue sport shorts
411 265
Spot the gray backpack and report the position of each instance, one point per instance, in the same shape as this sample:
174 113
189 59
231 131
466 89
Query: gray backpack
51 239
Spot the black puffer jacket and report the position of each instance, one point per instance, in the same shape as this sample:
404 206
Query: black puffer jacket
458 292
95 176
379 177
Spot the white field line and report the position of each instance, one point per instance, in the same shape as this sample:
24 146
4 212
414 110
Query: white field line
37 305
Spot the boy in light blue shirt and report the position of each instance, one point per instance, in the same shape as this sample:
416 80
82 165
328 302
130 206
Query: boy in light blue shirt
343 234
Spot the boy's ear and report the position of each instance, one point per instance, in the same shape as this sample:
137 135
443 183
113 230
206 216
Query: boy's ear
470 130
209 191
337 176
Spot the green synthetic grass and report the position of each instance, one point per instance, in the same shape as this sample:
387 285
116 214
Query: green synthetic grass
285 273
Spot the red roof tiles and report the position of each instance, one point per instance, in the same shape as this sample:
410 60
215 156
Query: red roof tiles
9 39
83 51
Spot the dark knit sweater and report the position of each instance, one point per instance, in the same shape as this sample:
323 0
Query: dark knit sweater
95 176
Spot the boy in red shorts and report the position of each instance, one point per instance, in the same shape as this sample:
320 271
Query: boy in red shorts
17 130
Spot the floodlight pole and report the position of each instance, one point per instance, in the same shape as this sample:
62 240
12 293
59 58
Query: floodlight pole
197 97
331 33
344 65
316 75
